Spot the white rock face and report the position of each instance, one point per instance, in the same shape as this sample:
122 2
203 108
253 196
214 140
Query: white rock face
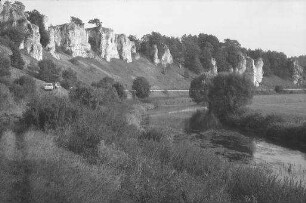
155 55
254 71
14 15
259 71
32 43
71 38
126 48
110 45
166 57
297 73
214 68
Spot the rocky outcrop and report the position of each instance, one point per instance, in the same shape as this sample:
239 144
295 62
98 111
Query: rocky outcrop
14 15
297 72
126 48
250 69
241 67
69 38
214 69
165 59
109 45
254 70
32 43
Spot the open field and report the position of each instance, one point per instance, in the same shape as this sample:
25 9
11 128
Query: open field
283 104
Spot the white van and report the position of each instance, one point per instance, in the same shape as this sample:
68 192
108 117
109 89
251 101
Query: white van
48 86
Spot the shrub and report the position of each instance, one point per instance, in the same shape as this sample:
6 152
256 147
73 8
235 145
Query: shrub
5 97
48 71
228 93
201 120
16 58
69 79
120 90
49 112
23 87
142 87
15 34
106 82
199 88
5 64
279 89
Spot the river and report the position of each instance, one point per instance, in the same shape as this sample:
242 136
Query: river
281 161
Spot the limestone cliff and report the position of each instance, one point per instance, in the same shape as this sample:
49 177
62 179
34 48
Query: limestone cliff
214 69
165 59
109 45
70 38
297 72
254 71
14 15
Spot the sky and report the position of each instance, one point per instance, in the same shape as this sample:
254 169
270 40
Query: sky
278 25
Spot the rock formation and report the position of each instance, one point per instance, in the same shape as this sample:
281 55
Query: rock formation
253 71
165 59
297 72
14 15
241 68
70 38
214 69
110 45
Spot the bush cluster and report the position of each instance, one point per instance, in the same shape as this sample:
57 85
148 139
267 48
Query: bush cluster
23 88
5 64
141 87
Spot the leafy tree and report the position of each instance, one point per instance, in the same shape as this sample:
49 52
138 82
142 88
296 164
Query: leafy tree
233 56
141 87
5 64
48 71
35 17
16 58
232 43
15 34
199 88
228 93
76 20
70 78
95 21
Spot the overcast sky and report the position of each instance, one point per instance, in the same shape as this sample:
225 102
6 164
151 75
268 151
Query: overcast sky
271 24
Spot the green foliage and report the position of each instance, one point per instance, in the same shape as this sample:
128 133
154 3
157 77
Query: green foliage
5 64
201 121
141 87
120 90
77 21
35 17
228 93
279 89
106 82
16 58
48 71
93 98
5 97
199 88
70 79
49 112
95 21
23 87
15 34
137 42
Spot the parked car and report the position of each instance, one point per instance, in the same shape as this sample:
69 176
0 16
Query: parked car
48 86
57 85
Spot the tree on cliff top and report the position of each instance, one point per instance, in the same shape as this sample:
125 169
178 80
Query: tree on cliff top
95 21
76 20
35 17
